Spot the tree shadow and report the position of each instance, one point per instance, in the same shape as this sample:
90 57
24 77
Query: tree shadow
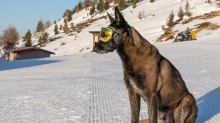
24 63
208 105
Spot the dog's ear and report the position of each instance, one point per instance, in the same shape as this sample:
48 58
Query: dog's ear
119 18
110 18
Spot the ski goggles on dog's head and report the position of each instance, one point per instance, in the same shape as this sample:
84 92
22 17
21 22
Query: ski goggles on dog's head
107 33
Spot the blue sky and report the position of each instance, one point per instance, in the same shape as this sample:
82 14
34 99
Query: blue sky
24 14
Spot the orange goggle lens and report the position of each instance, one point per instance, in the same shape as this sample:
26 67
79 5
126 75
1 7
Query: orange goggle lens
105 34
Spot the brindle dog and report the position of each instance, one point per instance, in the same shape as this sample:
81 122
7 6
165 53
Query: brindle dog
149 75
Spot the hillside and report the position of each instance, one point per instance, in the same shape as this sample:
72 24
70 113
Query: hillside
150 27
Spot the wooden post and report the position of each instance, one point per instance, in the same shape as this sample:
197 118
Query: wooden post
14 55
93 40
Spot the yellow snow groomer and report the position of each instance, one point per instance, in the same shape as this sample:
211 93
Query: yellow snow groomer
181 37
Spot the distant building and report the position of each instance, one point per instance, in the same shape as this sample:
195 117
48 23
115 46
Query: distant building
26 53
96 37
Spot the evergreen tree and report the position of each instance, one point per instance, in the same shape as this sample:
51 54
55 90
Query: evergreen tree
151 1
28 34
80 6
101 6
27 38
40 40
40 26
65 20
134 3
98 7
180 13
188 14
107 5
187 7
209 1
28 43
170 19
61 27
64 28
55 29
73 12
69 17
55 22
121 5
92 10
45 37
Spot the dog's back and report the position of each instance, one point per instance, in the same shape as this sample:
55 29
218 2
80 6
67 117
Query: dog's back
170 82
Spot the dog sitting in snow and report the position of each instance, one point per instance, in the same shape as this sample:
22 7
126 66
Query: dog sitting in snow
147 74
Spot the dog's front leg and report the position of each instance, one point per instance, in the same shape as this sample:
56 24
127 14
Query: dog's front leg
134 100
135 105
152 107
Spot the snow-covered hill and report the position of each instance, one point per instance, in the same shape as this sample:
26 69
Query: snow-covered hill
150 28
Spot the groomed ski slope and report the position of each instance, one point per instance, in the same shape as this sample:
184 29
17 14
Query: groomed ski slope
89 87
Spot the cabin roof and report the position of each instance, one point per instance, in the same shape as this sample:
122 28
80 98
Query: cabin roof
27 48
94 31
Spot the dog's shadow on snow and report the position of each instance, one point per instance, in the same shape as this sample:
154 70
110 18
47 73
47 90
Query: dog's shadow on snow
24 63
208 105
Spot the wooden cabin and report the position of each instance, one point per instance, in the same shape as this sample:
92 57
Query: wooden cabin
96 37
26 53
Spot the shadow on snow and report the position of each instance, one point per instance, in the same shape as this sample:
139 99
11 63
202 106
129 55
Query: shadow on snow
24 63
208 105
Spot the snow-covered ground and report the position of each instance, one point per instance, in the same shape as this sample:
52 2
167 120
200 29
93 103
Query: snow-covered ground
89 88
85 87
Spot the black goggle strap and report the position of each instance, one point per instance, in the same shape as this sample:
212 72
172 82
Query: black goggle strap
128 29
115 33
